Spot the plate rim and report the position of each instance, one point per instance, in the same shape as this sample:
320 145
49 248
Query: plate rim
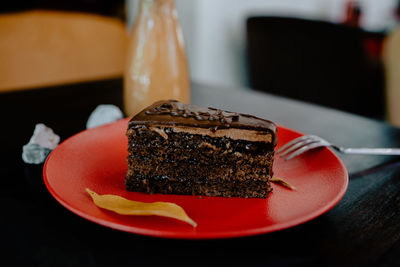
204 235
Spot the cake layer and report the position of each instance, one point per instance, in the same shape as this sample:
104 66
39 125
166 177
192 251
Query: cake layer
205 157
232 188
145 136
174 171
234 134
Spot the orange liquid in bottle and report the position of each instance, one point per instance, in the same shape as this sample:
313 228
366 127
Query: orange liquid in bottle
156 66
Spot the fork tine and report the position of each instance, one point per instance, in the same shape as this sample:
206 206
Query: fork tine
305 149
294 141
298 145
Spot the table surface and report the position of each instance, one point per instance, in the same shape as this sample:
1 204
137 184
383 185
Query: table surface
362 229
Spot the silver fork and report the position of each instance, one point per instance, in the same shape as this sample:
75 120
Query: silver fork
305 143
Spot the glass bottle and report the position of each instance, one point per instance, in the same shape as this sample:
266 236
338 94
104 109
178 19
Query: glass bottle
156 66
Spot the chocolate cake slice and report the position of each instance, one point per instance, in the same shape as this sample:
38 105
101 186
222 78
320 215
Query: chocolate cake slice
175 148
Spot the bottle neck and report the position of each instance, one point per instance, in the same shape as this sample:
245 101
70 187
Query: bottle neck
166 6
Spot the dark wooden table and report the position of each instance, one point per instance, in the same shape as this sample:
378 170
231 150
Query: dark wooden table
362 230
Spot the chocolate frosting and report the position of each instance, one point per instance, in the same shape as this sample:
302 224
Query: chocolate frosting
174 113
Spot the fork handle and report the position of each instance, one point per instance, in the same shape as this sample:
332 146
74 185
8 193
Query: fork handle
370 151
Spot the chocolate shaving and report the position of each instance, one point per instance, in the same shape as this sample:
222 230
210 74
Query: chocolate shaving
177 110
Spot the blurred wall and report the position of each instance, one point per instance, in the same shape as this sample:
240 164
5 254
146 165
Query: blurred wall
214 30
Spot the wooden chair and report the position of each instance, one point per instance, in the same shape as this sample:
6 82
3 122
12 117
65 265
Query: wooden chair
44 48
317 62
391 56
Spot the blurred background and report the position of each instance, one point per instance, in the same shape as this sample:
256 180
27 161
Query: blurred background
337 53
215 30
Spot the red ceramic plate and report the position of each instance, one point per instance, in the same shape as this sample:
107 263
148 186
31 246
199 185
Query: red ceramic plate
96 159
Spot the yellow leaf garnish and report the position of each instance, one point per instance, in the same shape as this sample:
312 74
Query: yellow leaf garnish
124 206
282 182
